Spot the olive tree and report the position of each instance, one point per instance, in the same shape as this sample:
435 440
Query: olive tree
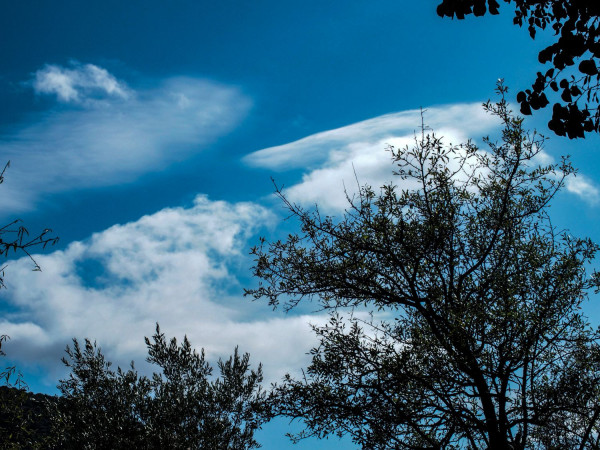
180 406
475 337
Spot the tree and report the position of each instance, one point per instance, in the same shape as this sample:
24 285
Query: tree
475 337
577 25
178 407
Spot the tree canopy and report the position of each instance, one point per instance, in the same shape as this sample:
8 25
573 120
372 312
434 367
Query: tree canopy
474 337
181 406
576 24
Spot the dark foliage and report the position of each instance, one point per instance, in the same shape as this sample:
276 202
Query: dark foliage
576 25
181 406
475 338
24 419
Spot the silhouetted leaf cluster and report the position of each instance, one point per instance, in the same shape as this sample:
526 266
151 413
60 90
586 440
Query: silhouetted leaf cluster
577 27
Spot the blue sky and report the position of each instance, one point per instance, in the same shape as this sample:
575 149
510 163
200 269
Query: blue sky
145 134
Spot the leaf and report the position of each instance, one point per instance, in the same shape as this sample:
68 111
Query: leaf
588 67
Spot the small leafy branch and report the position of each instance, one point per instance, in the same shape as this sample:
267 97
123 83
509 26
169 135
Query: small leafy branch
15 238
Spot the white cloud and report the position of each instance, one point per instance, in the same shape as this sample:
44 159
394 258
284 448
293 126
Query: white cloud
456 122
347 168
576 184
583 187
336 162
339 160
79 84
116 138
176 267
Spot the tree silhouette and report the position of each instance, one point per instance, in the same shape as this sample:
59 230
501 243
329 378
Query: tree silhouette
180 406
475 337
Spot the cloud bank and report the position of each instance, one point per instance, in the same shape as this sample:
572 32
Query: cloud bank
107 133
336 162
177 267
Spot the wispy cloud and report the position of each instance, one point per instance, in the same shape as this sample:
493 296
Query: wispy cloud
116 137
456 122
177 267
583 187
337 162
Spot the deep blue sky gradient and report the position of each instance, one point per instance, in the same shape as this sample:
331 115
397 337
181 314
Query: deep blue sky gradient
305 66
